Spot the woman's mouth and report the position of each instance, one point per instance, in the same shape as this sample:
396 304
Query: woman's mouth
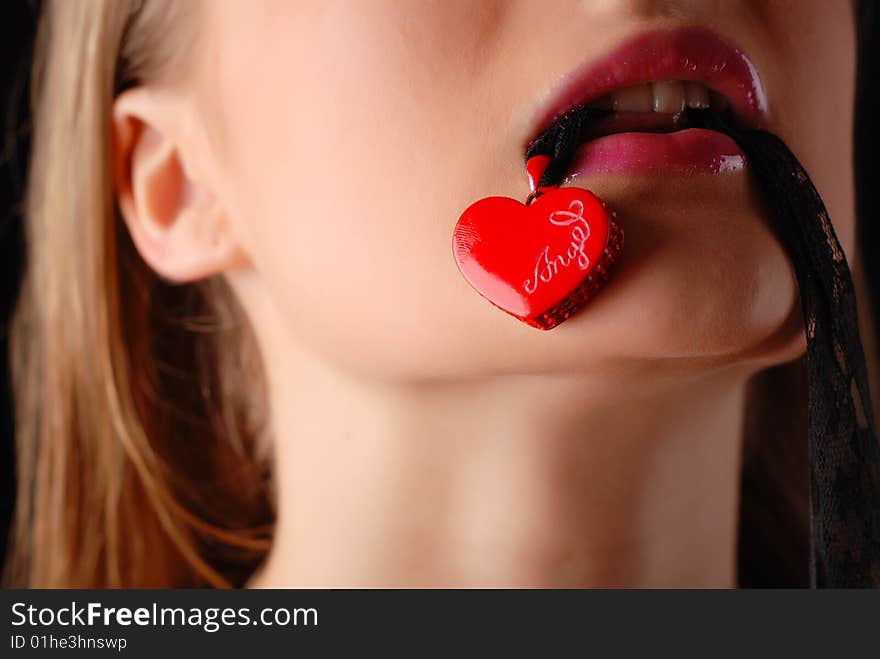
632 107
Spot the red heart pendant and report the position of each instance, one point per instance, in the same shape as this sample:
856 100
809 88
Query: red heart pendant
539 262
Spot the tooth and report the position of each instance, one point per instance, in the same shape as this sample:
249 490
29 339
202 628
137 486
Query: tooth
717 101
697 95
668 96
638 98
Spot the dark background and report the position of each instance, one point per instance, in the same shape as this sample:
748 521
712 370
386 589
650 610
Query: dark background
17 20
17 23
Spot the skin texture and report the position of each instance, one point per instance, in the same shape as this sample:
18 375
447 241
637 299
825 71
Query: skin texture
318 154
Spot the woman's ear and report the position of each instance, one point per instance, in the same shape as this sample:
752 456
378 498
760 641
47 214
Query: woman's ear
176 222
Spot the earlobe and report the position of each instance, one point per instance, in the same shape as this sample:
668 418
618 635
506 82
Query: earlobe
177 224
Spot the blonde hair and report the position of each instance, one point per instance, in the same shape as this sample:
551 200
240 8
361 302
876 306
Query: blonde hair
140 459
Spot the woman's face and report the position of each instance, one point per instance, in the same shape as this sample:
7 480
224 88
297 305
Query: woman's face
349 136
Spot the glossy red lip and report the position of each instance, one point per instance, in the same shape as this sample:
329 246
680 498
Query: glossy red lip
695 54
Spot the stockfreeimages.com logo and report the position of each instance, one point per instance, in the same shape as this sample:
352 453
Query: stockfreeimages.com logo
210 619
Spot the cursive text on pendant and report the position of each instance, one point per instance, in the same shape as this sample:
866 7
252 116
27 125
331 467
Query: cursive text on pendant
546 267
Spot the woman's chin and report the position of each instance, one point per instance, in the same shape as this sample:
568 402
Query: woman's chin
693 304
686 315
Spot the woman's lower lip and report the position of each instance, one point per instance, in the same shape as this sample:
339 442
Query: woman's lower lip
690 151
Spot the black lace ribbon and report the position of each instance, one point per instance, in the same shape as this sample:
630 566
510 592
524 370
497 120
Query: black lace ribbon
843 451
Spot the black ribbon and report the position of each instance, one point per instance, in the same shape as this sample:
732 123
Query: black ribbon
843 450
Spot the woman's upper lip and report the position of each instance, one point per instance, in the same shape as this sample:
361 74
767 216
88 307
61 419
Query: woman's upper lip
691 53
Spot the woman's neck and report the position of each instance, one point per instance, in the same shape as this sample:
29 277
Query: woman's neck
629 479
